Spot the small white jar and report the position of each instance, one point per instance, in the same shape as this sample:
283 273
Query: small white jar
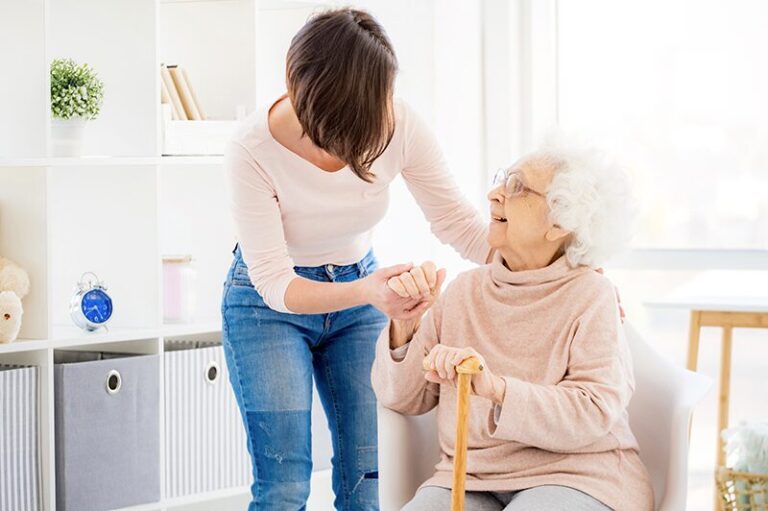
179 297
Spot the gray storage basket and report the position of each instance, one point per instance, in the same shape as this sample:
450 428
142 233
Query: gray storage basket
107 430
205 448
19 439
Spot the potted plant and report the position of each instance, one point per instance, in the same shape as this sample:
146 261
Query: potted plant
77 94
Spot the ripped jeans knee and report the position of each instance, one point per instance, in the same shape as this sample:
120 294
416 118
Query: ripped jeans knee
365 491
282 458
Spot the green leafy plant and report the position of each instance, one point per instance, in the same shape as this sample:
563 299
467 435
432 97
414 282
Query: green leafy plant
76 90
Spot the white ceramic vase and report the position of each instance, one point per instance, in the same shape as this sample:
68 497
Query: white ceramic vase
67 136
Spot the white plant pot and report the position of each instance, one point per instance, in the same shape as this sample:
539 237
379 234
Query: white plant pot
67 136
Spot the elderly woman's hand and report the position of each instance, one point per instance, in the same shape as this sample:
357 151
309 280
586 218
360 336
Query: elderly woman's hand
443 361
417 283
375 291
421 284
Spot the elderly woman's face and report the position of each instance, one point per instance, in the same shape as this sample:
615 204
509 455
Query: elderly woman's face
519 211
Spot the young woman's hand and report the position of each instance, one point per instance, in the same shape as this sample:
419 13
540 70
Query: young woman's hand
418 282
376 292
421 283
443 361
622 314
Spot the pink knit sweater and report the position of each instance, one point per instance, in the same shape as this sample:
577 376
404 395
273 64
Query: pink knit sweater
554 335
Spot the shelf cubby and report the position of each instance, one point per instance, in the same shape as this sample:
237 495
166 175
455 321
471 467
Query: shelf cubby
104 220
181 225
119 40
221 64
60 223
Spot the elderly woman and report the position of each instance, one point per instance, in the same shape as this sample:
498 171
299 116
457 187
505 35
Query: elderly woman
548 426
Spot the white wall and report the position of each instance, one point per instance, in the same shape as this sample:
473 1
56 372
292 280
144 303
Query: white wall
24 80
438 44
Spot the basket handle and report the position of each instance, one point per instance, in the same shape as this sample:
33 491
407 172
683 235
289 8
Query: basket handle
113 382
212 372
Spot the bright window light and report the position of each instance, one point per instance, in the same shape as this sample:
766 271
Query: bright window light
678 91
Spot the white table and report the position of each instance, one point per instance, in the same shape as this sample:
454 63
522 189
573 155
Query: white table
725 299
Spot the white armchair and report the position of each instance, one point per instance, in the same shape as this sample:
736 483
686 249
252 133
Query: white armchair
659 413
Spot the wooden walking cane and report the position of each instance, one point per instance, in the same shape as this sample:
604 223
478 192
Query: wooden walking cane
464 371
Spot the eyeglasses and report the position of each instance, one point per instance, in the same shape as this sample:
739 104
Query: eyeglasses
513 184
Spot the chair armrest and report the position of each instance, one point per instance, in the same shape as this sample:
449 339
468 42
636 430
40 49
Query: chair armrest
695 387
408 452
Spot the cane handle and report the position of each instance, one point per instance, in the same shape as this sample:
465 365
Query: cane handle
471 365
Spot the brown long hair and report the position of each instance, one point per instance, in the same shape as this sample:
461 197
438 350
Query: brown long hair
340 74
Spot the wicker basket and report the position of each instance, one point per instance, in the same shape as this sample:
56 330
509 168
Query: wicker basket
742 491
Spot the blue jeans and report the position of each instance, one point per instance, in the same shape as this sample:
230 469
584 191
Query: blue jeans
272 358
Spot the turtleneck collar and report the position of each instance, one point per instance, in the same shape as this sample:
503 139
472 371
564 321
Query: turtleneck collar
557 270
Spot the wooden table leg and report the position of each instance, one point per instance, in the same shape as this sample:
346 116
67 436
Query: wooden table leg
693 350
725 389
693 340
723 404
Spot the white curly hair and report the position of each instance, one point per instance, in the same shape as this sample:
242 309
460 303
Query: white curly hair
589 196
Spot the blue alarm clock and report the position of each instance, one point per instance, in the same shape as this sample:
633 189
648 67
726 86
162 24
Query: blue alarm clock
91 306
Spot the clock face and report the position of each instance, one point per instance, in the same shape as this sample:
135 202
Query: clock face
97 306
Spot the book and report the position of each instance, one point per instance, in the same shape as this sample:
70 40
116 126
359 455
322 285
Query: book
187 102
194 96
173 92
165 98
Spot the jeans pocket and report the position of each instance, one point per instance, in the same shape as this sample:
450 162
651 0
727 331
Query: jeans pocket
239 293
240 276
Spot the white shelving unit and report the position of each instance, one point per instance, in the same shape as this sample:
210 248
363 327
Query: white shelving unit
119 208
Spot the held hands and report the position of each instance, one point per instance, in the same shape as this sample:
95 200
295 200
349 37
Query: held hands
443 361
404 292
421 283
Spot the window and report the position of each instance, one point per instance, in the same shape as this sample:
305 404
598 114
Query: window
678 91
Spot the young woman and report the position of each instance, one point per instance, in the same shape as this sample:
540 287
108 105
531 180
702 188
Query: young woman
308 180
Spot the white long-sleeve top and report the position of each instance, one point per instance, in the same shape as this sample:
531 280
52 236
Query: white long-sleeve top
288 212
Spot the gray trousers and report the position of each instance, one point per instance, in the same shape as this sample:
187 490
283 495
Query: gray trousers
540 498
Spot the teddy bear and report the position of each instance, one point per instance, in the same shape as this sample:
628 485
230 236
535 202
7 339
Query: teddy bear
14 285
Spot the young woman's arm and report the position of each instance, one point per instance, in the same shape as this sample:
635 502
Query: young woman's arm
452 217
306 296
259 230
